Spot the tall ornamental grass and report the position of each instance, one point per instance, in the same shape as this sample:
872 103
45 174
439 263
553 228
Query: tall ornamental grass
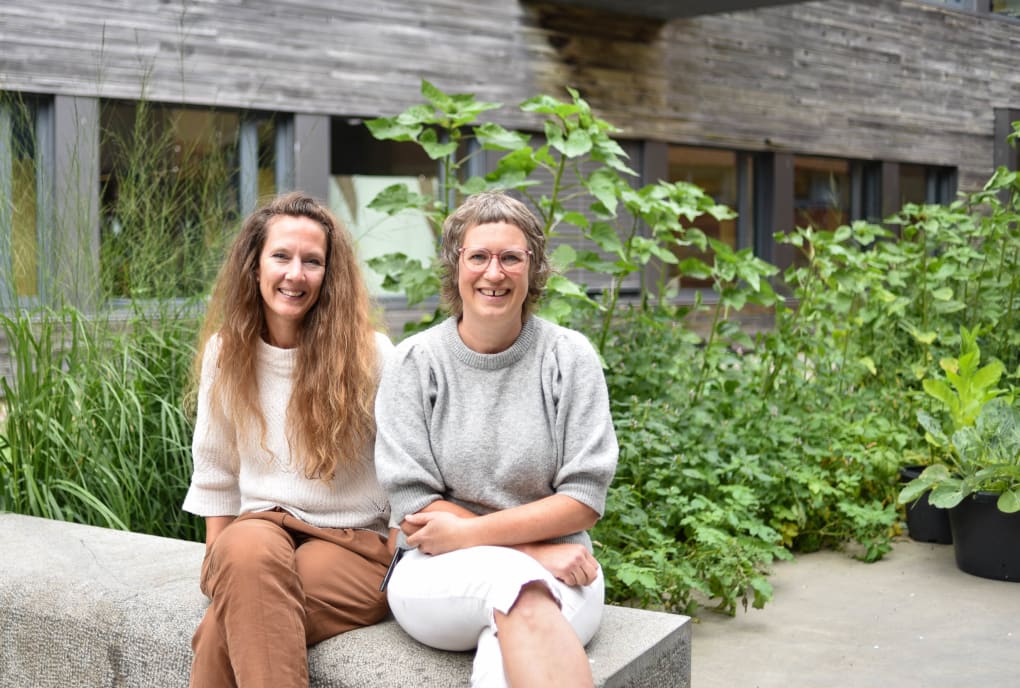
95 430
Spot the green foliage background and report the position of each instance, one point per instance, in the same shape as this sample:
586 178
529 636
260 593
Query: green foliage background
739 446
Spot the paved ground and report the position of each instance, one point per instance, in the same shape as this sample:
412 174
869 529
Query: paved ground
911 620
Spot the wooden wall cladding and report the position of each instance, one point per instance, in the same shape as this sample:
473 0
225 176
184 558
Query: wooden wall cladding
869 79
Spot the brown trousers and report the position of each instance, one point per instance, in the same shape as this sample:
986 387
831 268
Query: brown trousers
277 585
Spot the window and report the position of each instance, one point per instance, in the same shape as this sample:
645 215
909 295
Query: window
922 184
821 192
361 167
806 192
1007 8
1004 8
913 185
256 161
20 170
1006 154
969 5
174 180
714 171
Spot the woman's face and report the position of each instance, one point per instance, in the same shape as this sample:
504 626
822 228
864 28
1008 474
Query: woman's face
290 273
498 289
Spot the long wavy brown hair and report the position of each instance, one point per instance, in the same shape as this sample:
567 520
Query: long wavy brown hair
330 417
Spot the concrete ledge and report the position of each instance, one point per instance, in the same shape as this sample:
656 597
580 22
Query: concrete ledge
86 606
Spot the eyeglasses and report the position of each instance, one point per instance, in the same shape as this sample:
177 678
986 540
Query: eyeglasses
512 260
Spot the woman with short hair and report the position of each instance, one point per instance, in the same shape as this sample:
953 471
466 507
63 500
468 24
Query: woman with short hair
496 447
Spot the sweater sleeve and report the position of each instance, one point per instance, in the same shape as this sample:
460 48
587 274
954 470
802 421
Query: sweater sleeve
404 461
384 350
214 489
584 424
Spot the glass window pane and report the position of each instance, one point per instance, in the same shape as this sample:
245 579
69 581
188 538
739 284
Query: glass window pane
821 192
1009 8
267 184
821 200
19 242
24 235
913 185
714 171
955 4
362 167
170 193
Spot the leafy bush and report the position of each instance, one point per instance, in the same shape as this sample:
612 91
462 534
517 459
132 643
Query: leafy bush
735 449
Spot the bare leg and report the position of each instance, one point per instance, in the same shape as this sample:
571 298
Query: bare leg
539 646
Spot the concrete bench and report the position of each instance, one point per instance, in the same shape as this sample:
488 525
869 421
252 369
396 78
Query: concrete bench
86 606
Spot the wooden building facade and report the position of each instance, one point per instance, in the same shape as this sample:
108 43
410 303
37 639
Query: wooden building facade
783 110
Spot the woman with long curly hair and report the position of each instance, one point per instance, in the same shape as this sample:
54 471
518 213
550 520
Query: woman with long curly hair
296 522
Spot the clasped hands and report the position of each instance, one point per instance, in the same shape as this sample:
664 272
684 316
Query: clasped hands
438 532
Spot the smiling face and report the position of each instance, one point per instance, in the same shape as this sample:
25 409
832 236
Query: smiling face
290 273
493 297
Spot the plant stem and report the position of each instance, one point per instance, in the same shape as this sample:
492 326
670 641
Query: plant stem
709 343
614 288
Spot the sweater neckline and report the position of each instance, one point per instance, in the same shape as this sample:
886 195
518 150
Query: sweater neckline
275 357
451 339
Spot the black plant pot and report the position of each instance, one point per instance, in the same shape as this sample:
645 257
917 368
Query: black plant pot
986 541
925 523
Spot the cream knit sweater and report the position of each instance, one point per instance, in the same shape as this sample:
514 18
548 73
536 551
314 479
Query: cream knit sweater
234 473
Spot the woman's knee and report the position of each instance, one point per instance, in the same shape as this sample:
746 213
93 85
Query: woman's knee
248 547
534 603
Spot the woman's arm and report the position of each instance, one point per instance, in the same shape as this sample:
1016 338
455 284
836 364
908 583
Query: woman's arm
214 487
443 526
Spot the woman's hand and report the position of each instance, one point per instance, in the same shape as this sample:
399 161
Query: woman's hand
391 541
572 564
437 532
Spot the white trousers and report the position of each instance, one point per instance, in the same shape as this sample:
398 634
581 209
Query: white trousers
449 602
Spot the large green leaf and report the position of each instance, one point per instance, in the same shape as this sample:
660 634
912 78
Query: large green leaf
433 147
1009 501
392 129
946 496
396 198
495 137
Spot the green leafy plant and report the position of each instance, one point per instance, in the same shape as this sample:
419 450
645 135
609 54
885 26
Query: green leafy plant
574 162
978 446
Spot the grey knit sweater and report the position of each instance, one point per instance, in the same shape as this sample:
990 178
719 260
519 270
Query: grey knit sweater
494 431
